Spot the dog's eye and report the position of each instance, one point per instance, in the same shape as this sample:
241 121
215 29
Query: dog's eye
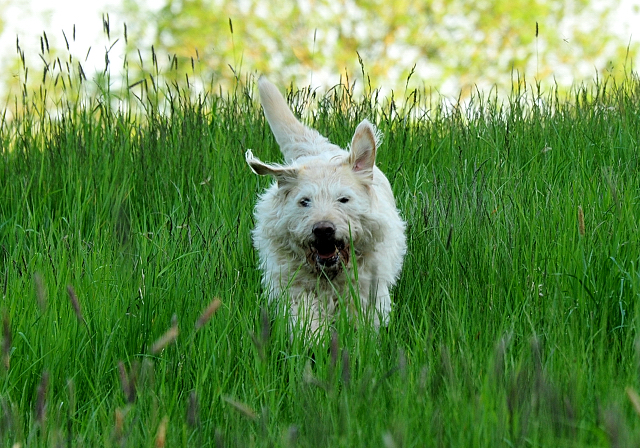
304 202
343 200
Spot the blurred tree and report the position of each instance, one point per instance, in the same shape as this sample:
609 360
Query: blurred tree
453 44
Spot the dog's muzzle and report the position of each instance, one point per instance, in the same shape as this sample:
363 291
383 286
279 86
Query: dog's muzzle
326 252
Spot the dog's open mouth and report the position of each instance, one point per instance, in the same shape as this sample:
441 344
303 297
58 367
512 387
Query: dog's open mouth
329 254
326 252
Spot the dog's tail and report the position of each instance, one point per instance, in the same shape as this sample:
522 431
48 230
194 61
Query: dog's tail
294 138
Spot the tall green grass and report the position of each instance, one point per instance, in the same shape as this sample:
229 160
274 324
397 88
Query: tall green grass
124 214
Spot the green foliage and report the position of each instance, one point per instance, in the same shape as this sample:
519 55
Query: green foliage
516 314
452 45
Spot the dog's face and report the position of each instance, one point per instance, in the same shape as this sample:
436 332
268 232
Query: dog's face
322 202
326 205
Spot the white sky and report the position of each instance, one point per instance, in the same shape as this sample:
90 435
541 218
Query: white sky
29 18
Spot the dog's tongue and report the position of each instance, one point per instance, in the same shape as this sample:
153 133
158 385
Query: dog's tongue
326 251
325 254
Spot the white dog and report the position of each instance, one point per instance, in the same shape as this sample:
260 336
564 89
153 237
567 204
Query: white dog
327 231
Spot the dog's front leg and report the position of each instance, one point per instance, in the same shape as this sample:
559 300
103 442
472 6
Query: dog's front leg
382 305
307 315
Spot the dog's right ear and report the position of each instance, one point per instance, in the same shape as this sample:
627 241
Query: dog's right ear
294 138
285 175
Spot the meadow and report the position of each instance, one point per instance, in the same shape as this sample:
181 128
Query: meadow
133 314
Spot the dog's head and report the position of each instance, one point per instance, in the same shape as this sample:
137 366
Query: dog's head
318 208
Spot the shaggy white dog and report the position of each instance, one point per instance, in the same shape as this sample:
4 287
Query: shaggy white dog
327 231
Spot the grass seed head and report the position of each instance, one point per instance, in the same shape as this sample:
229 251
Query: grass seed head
634 398
208 313
118 429
218 439
580 221
193 411
7 419
388 441
614 427
242 408
41 399
127 382
161 435
75 303
6 341
291 436
41 292
167 338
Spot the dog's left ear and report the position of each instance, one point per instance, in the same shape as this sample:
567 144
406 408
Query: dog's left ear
284 175
362 152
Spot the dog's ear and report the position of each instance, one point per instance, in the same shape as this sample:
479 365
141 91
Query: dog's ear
285 175
362 152
284 125
294 138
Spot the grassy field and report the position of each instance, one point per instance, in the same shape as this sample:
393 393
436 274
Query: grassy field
515 319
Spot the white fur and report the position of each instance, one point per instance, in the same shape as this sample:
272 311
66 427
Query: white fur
322 186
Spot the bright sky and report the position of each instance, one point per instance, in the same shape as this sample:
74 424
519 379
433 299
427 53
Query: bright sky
29 18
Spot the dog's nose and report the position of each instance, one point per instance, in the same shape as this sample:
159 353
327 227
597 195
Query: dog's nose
324 230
